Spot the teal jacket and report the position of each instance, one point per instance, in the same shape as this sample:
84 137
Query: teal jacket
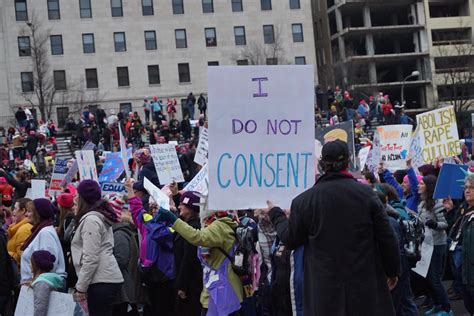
42 287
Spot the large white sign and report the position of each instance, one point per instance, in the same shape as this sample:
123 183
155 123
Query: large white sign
200 182
160 198
202 149
438 134
38 188
261 135
123 153
59 303
166 163
394 145
86 165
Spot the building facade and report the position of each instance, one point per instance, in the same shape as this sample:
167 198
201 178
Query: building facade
115 52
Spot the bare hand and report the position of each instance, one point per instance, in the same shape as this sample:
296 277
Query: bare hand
267 209
182 295
392 282
79 296
174 188
409 163
129 187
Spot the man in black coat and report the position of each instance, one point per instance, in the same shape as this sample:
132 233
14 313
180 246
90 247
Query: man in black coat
351 255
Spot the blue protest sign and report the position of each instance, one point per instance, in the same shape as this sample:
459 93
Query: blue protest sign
450 181
112 187
113 166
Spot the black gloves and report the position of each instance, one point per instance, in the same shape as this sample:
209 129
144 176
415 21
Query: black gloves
431 224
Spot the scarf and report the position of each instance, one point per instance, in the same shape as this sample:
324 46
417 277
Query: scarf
35 231
221 214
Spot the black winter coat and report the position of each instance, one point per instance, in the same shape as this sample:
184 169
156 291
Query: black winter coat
350 247
6 281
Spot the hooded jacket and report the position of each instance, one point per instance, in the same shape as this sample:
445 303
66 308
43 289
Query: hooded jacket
42 287
17 234
92 252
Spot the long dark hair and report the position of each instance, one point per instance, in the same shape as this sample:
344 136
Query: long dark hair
427 197
82 209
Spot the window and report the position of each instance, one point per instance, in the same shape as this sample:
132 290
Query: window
53 10
183 73
122 77
62 115
85 8
153 74
24 47
27 82
213 63
211 39
242 62
272 61
207 6
21 10
125 108
239 34
117 9
147 7
297 30
178 7
91 78
268 35
88 45
119 41
237 6
266 4
59 79
56 44
150 40
294 4
300 60
180 36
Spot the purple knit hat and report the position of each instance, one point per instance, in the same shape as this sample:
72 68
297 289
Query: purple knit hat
44 208
43 260
190 199
89 190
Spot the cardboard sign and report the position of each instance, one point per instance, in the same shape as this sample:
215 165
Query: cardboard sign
363 154
166 163
73 168
113 166
59 303
123 153
261 138
343 131
112 187
450 182
438 134
200 182
86 165
160 198
427 248
394 145
416 150
202 149
38 189
59 172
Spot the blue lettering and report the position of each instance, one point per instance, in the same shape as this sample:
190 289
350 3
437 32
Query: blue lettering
306 155
258 175
219 171
278 169
241 183
291 165
272 170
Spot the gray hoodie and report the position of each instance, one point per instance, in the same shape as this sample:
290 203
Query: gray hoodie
437 215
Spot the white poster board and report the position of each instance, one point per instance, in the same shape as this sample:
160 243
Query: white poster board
166 163
415 150
438 134
261 139
427 247
202 149
59 303
363 154
123 153
38 188
394 145
200 182
160 198
86 165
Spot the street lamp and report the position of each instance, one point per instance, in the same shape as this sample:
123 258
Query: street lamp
415 73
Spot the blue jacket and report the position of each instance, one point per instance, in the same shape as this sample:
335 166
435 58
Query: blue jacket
413 199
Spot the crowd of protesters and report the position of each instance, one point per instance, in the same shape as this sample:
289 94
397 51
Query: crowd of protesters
123 254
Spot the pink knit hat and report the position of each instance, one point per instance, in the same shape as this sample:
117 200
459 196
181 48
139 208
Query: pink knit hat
116 202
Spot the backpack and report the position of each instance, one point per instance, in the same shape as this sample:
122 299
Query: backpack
399 206
413 232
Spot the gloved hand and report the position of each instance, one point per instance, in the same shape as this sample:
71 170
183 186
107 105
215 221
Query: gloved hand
431 224
164 215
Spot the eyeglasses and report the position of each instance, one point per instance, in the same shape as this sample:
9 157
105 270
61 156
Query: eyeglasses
468 187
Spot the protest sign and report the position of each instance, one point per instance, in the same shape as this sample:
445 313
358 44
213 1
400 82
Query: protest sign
450 181
438 134
113 166
123 153
160 198
38 188
373 159
394 145
343 131
202 149
112 187
59 172
166 163
261 138
86 164
200 182
59 303
427 247
415 150
72 169
363 154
